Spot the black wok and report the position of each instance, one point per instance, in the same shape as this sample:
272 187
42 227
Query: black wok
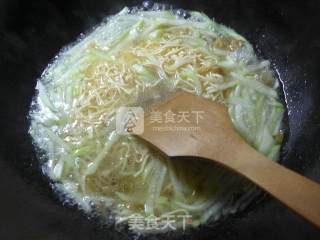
32 32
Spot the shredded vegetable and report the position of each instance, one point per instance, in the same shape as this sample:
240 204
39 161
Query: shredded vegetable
139 53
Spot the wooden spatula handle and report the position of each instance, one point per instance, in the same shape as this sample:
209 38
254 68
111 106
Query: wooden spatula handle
295 191
218 140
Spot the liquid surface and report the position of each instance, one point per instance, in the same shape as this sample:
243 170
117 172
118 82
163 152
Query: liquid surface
139 55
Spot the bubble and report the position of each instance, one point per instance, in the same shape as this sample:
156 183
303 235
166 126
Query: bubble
161 7
147 5
182 13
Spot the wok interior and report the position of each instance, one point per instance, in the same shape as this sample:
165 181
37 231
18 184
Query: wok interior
273 38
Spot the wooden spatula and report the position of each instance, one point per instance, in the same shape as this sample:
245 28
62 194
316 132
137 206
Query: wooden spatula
203 129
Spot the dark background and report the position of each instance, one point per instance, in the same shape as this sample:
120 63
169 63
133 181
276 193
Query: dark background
31 34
